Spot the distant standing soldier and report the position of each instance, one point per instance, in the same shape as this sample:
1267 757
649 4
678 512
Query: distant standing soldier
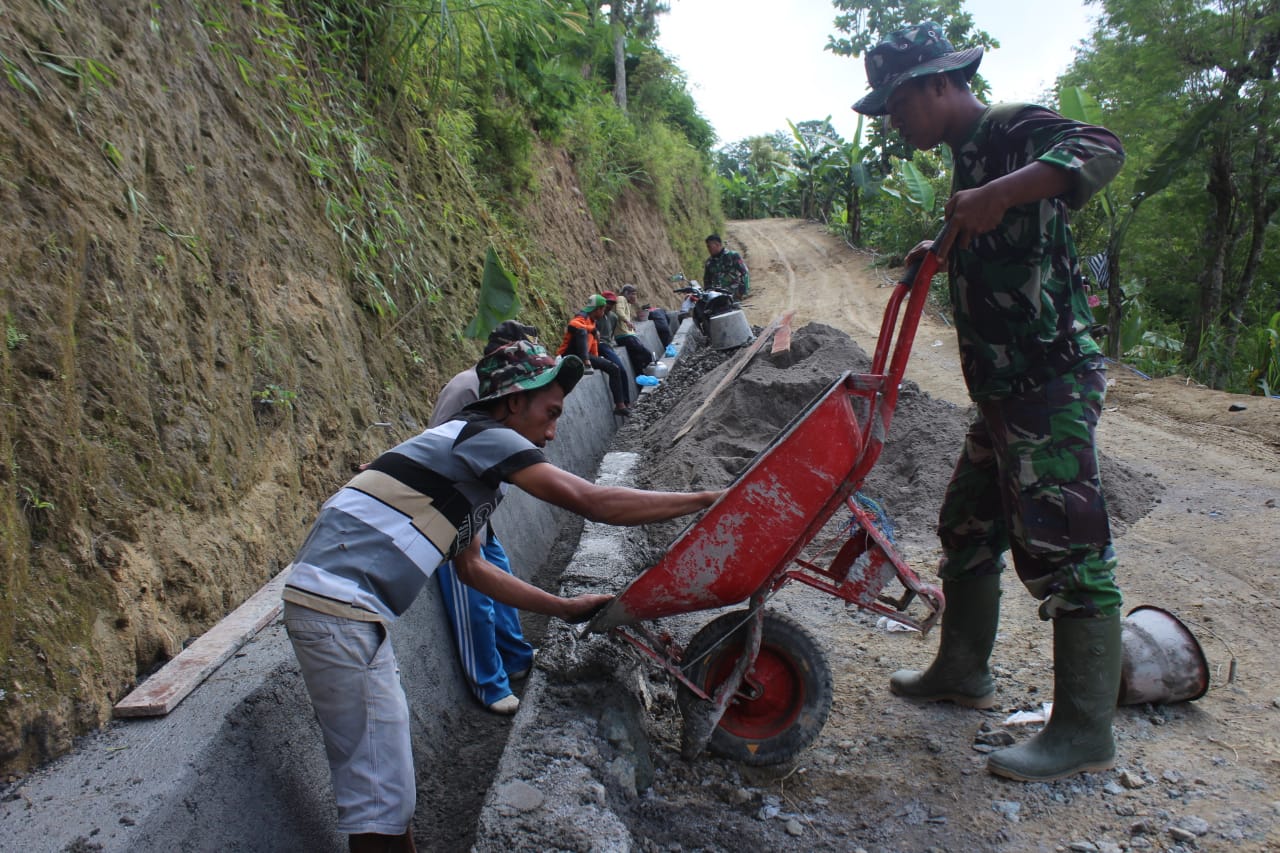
725 270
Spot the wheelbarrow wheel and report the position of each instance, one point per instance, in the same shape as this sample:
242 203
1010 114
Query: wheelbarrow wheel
784 701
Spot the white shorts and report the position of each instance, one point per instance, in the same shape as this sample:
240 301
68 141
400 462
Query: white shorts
351 674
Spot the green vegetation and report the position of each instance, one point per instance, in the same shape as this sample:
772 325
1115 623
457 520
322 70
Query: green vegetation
473 86
1186 236
274 395
13 337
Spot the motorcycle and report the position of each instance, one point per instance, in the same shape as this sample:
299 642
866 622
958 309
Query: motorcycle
702 304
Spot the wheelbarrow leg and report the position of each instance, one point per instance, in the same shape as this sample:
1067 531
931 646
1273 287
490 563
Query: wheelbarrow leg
701 716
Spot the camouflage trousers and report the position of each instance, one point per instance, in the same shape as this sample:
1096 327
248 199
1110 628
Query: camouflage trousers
1027 482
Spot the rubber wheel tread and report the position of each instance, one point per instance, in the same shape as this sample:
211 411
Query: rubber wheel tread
789 714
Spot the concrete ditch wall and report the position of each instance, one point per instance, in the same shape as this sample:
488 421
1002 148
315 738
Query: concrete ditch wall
239 765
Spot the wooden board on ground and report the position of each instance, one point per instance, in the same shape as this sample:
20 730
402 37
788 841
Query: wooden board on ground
162 692
742 361
782 337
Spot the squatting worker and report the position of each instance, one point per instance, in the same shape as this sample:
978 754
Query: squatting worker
379 538
1027 477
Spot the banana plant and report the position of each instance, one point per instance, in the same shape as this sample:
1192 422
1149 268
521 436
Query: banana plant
913 189
1075 103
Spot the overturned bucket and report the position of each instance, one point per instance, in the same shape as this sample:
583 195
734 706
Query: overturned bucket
1162 661
730 329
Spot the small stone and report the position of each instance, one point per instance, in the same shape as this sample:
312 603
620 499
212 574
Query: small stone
1197 825
1126 810
1007 808
1173 777
1177 833
994 738
1083 847
1131 780
127 821
517 796
1109 847
767 812
1112 788
794 827
739 796
1139 842
1141 827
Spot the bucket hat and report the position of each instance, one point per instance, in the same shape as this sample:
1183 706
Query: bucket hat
906 54
524 366
509 332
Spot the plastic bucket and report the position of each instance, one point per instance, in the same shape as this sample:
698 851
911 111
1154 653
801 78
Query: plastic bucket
730 329
1162 660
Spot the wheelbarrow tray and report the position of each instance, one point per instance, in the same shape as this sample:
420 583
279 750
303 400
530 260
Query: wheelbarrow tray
764 518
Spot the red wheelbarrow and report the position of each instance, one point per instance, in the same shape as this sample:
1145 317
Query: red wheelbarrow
755 685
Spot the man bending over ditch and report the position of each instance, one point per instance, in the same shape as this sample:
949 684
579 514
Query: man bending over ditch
382 535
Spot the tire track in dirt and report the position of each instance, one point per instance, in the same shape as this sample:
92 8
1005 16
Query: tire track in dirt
779 258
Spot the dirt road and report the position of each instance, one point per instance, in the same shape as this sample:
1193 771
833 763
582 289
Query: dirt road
1200 774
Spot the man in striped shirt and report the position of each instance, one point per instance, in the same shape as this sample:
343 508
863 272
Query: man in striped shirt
379 538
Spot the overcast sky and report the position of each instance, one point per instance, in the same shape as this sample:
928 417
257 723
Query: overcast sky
754 64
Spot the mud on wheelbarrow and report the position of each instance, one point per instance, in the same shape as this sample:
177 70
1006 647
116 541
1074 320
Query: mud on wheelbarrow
755 685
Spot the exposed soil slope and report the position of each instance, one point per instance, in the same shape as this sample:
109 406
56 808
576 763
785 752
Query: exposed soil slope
191 366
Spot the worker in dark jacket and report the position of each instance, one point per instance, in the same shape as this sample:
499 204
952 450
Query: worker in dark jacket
1027 478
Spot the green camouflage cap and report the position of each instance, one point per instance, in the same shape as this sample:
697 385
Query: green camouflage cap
909 53
524 366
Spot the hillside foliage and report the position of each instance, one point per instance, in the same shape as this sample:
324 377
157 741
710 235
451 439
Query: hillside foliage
1187 272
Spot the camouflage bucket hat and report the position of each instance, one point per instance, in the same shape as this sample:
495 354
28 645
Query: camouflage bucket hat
524 366
909 53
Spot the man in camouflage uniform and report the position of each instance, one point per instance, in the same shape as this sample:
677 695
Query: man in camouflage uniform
725 270
1027 478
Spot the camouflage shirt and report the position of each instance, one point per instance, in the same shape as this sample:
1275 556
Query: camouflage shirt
726 272
1021 311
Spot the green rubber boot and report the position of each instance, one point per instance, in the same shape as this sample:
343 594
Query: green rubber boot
1086 684
959 673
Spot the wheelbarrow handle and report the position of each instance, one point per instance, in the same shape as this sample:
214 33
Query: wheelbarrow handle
913 271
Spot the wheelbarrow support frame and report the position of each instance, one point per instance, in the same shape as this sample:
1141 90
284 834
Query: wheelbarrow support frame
747 546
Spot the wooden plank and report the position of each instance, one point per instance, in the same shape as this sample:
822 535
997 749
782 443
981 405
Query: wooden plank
742 361
782 337
162 692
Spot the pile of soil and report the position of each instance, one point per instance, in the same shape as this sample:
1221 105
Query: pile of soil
908 480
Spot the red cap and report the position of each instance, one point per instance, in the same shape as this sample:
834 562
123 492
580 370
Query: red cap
609 296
